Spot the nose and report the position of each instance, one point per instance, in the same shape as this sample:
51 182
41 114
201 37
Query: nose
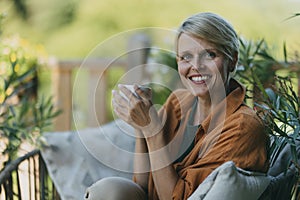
197 62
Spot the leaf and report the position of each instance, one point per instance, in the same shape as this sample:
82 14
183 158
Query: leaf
293 16
258 46
285 52
265 55
17 90
280 132
271 94
242 42
277 103
259 84
30 73
294 153
6 84
12 110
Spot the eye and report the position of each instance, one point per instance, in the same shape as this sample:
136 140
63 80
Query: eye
186 57
210 54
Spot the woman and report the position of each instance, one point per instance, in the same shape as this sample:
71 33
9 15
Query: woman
198 128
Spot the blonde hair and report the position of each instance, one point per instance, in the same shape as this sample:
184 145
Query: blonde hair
214 29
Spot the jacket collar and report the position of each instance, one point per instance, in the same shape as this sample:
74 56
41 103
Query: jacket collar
226 107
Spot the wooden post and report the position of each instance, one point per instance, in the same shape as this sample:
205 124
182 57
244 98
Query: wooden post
62 94
97 97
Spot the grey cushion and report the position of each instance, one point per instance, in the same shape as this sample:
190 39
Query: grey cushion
281 186
75 160
229 182
284 175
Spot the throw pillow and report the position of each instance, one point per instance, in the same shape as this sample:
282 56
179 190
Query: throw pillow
229 182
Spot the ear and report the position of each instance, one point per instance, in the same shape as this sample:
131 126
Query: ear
234 62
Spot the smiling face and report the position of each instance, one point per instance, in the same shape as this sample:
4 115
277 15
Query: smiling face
202 67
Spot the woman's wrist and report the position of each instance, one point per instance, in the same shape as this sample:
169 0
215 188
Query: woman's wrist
154 128
138 134
156 141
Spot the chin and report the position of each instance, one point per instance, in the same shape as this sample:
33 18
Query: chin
201 94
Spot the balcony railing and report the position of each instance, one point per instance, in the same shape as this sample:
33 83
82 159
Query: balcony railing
27 178
97 69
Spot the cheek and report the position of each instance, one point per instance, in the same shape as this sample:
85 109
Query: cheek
221 67
182 69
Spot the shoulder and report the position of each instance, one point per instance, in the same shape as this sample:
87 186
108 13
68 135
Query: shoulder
247 120
250 140
247 113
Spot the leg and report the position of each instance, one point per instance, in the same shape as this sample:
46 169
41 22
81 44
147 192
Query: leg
115 188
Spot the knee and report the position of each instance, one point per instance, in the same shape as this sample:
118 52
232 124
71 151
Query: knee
114 188
99 189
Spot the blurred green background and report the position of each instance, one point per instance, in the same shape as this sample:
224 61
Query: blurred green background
72 28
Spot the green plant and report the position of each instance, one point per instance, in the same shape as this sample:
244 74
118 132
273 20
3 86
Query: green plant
280 112
274 98
23 115
255 58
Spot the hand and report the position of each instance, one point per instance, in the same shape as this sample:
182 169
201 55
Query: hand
138 110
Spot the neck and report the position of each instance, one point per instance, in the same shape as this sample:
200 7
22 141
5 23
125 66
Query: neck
206 105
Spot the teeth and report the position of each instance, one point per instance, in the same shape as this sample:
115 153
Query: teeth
199 78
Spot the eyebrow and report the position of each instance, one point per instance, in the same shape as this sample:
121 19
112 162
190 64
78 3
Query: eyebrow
189 51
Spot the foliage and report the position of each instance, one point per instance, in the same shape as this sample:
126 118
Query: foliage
280 112
23 116
255 58
21 8
91 22
275 99
1 21
64 11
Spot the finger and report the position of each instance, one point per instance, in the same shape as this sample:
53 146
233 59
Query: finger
119 99
143 91
120 106
121 112
124 115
